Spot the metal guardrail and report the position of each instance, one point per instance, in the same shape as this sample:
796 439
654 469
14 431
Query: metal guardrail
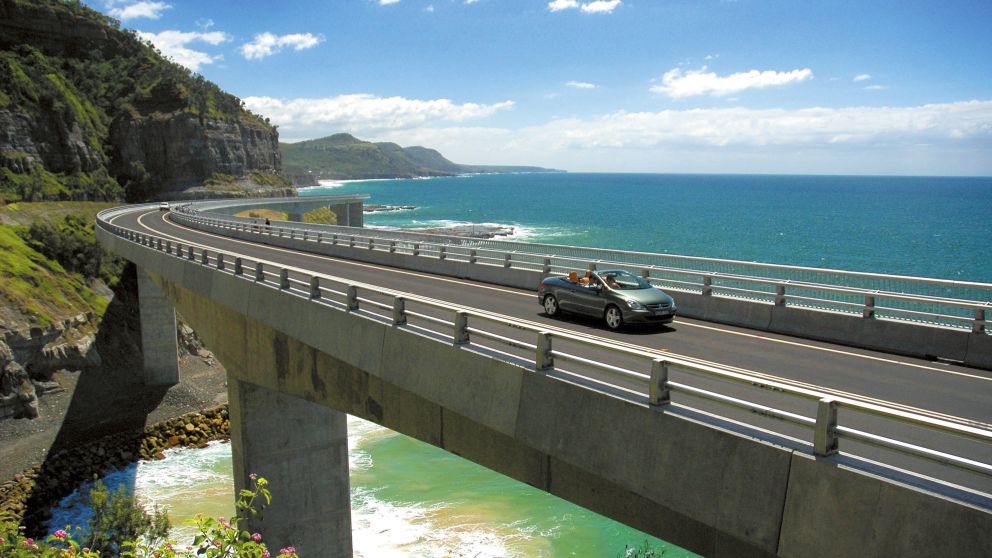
865 294
637 375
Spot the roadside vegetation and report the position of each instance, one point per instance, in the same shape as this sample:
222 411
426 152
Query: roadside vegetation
120 527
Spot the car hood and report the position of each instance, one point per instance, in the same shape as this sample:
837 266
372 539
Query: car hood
646 296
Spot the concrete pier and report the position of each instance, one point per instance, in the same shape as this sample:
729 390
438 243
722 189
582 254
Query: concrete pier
301 448
159 346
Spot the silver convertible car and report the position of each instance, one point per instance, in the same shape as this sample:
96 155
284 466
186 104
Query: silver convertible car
616 295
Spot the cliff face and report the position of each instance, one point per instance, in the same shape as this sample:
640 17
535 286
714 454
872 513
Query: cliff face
89 111
183 149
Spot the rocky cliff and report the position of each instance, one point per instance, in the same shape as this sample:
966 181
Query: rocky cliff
90 111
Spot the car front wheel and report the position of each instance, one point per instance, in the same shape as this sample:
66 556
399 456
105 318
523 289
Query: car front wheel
551 305
613 317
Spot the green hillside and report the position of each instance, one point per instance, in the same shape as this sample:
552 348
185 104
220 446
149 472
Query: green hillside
343 156
77 96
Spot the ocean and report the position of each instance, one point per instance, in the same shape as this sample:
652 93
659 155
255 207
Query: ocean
410 499
923 226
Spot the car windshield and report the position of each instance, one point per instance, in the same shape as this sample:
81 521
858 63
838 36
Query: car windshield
623 280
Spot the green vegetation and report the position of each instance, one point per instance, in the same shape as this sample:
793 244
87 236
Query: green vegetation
39 286
321 216
118 518
262 213
271 179
48 253
64 95
122 522
343 156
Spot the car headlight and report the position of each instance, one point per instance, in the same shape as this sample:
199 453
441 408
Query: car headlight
634 305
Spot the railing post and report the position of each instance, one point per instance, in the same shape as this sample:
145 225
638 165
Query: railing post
546 268
190 255
473 256
461 328
351 241
320 237
506 259
825 441
442 252
392 246
707 286
869 311
352 298
204 257
978 326
416 248
239 266
399 311
158 244
334 239
645 273
780 294
545 360
314 288
305 236
259 272
168 246
220 261
283 279
371 243
659 394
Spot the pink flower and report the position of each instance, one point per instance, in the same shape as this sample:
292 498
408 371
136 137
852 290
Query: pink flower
217 543
60 534
253 476
256 537
265 554
288 550
2 540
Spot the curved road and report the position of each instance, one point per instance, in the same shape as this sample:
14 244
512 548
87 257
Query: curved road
937 389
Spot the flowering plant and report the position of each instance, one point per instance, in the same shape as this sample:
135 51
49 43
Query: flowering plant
217 538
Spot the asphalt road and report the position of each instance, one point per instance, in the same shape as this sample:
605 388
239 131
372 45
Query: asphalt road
938 389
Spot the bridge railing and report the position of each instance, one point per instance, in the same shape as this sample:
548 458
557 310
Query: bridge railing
638 375
934 302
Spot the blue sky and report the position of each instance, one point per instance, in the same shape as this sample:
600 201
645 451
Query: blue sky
821 87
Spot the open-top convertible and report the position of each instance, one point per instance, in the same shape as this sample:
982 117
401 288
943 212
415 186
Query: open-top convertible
616 295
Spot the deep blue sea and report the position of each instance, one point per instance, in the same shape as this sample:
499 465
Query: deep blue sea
923 226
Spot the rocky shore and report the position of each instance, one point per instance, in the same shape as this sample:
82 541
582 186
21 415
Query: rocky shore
30 495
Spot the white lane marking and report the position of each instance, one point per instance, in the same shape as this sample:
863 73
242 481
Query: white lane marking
518 293
500 317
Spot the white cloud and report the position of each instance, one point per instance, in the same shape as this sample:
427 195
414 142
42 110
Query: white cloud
601 6
267 44
678 84
595 7
875 87
134 10
364 114
174 44
862 77
388 2
559 5
927 139
580 85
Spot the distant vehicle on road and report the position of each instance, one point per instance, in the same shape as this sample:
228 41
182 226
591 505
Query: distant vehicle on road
164 206
617 296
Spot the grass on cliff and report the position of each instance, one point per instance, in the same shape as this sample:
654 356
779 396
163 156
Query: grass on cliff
38 287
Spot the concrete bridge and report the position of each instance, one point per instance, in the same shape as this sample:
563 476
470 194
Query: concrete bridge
304 347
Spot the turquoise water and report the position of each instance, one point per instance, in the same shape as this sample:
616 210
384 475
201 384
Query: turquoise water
409 499
922 226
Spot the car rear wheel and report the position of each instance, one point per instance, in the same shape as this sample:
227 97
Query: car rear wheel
613 317
551 305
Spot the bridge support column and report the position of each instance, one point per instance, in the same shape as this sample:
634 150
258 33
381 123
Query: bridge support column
302 449
159 345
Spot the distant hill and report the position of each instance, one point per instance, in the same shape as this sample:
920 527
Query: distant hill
345 157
